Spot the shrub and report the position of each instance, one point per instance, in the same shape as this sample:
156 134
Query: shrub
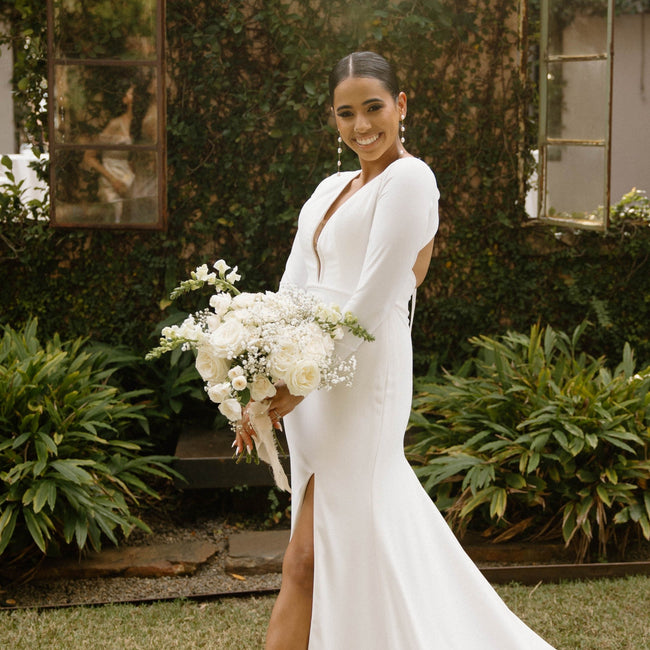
533 437
68 472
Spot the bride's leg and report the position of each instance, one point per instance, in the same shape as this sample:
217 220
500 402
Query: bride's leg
291 616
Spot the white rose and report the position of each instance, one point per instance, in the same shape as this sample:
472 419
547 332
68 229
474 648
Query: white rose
261 388
220 266
283 357
303 378
244 300
315 344
235 371
239 382
213 321
211 366
228 338
231 408
220 303
219 392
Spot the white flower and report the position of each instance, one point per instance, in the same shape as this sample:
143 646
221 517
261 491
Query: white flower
202 274
261 388
239 382
233 276
212 367
212 322
220 303
316 345
228 340
219 392
220 266
283 357
231 408
303 377
235 371
244 300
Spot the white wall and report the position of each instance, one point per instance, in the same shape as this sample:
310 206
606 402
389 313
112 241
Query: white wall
7 141
575 181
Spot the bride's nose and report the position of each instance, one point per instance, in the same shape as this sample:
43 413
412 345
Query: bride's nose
361 124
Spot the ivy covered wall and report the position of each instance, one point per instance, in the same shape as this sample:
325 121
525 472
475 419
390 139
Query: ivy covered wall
249 138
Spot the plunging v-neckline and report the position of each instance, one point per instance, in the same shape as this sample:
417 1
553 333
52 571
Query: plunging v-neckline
329 213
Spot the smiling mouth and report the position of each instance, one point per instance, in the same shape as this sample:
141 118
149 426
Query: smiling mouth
364 142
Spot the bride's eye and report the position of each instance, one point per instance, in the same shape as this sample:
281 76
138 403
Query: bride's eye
374 107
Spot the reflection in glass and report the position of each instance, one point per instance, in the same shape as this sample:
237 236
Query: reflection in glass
585 194
126 194
576 27
104 29
579 89
90 98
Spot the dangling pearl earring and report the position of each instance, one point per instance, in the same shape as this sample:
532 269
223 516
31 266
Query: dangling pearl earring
402 128
339 150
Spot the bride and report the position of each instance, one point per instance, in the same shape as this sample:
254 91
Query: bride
371 564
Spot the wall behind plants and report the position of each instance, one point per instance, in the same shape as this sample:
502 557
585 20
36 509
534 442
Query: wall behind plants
249 139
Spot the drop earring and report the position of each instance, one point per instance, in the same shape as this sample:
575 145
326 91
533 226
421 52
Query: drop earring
339 151
402 129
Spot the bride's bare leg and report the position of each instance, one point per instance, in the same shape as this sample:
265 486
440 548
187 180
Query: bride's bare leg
291 616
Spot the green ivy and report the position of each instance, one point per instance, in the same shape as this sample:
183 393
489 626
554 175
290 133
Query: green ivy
249 137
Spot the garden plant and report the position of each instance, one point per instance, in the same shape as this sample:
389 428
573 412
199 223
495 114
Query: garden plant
70 468
534 438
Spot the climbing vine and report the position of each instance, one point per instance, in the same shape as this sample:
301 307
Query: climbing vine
249 137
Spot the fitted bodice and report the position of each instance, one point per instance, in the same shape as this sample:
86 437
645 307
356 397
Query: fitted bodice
364 254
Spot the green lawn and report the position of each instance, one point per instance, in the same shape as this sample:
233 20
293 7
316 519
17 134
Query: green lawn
599 615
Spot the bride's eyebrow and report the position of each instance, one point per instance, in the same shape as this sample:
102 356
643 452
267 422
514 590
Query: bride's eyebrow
368 101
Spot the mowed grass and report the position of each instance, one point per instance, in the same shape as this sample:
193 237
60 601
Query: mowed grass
598 615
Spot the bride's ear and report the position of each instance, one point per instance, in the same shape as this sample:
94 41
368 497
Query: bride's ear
401 103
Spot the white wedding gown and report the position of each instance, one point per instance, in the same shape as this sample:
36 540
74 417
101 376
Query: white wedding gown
389 573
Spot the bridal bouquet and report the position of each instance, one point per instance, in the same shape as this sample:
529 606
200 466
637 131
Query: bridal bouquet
247 342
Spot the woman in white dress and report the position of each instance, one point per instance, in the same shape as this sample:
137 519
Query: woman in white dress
371 564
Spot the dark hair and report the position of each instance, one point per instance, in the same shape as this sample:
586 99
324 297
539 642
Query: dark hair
364 64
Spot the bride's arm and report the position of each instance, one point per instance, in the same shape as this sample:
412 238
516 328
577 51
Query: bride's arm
422 262
404 223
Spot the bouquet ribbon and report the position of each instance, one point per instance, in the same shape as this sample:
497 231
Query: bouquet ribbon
265 443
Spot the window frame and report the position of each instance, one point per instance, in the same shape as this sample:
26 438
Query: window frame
545 141
159 148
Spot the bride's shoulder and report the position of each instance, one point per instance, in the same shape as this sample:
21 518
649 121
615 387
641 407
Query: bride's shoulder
412 171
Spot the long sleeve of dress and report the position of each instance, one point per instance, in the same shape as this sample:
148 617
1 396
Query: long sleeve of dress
295 271
404 221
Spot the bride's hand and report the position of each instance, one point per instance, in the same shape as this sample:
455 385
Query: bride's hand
282 403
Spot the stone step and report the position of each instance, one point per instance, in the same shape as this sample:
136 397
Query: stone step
154 560
205 458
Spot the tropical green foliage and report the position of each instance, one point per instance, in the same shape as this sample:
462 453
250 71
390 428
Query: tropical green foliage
534 437
69 471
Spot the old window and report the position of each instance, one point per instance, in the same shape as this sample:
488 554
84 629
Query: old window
594 144
107 110
575 101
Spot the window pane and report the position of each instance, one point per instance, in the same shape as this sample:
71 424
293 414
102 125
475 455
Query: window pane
584 194
578 100
114 187
574 31
105 105
105 29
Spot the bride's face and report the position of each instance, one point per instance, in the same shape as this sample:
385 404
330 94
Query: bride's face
368 117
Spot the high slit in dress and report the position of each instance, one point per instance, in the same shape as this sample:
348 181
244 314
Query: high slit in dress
388 572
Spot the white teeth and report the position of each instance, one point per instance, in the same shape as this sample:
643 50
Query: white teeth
367 141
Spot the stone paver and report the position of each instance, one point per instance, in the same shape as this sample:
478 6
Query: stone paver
257 552
156 560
